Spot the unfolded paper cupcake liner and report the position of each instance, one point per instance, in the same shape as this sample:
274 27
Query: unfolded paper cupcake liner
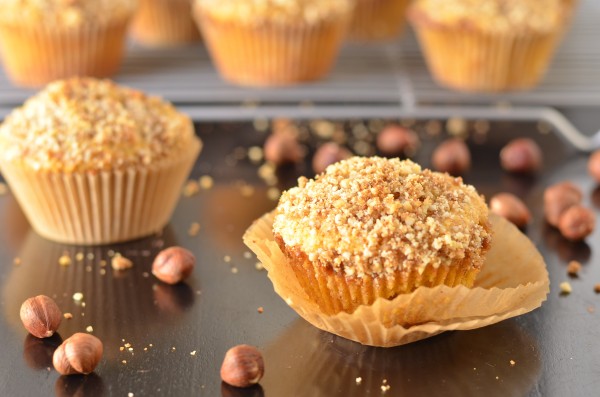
35 55
513 281
164 23
378 20
272 54
104 207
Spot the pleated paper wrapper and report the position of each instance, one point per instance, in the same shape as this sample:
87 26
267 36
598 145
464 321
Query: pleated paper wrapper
513 281
165 23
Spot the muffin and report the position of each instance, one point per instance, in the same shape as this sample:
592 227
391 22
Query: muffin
376 20
46 40
371 228
164 23
273 42
91 162
489 45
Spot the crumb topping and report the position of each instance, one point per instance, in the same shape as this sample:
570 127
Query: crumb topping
492 15
375 215
278 11
85 124
66 13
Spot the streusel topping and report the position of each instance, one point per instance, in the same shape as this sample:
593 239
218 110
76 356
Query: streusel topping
284 11
375 215
492 15
85 124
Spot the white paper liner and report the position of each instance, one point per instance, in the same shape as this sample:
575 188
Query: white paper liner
513 281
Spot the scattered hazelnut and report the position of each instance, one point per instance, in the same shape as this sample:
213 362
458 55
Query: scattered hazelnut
558 198
577 223
173 265
40 316
79 354
594 165
283 148
452 156
397 140
510 207
597 288
521 155
328 154
243 366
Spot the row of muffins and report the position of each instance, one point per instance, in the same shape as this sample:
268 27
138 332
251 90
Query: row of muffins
489 45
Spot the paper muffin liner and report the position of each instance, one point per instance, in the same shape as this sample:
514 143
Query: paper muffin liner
100 208
469 60
164 23
272 54
35 55
513 281
375 20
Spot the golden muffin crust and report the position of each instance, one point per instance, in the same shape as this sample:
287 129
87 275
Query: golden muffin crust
491 15
371 216
85 124
277 11
69 13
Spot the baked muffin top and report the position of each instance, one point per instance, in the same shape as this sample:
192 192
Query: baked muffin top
65 13
491 15
85 124
376 215
278 11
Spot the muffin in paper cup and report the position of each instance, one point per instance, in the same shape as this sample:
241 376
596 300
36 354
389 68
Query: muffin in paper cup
489 46
93 163
50 40
270 43
162 23
378 20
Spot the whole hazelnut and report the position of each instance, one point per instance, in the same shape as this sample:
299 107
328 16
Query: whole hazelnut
397 140
40 316
243 366
577 223
521 155
594 165
452 156
173 265
558 198
80 354
328 154
283 148
510 207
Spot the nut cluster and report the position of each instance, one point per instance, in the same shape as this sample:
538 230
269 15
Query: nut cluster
80 354
243 366
40 316
563 209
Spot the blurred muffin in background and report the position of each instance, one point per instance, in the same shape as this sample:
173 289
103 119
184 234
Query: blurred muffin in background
273 42
46 40
378 20
489 45
159 23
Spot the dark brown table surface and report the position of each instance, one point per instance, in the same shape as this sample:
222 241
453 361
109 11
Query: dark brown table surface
555 348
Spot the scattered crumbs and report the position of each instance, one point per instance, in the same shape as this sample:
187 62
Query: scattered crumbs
127 344
102 262
102 272
129 394
17 261
497 377
591 309
512 363
456 126
173 348
3 189
198 292
273 193
258 266
191 188
68 316
255 154
193 353
64 260
234 270
227 258
90 255
573 268
145 349
110 253
597 288
246 190
358 380
474 369
194 229
260 310
543 128
119 262
82 304
88 268
124 361
146 253
481 127
385 388
89 329
267 171
323 129
130 349
150 345
247 254
79 256
261 125
433 127
145 274
121 348
78 296
206 182
565 288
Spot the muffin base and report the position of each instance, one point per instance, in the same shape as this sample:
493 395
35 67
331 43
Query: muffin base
163 23
378 20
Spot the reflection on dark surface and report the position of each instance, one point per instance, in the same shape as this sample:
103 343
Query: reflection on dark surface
310 362
566 249
596 196
79 386
38 352
231 391
173 298
15 221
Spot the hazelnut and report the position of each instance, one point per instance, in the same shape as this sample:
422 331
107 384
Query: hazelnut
328 154
79 354
521 155
40 316
452 156
173 265
243 366
283 148
558 198
577 223
594 165
510 207
397 140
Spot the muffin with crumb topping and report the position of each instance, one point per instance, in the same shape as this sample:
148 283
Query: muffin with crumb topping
91 162
163 23
273 42
372 227
378 20
46 40
489 45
